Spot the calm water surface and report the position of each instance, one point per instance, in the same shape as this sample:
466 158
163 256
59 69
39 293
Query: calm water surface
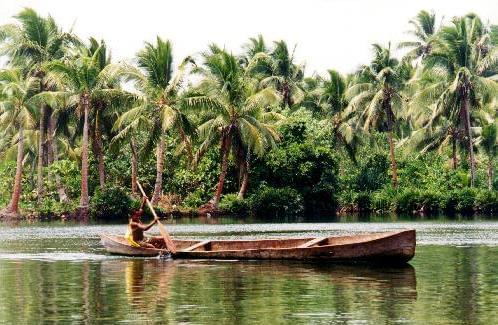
50 272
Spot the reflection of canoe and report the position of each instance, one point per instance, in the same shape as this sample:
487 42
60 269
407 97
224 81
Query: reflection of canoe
391 247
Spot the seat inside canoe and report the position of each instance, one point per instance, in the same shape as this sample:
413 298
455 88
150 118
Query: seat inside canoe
221 245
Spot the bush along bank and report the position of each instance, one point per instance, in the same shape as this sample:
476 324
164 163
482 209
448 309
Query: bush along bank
465 201
309 173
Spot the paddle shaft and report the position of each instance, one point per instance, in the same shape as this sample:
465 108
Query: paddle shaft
162 229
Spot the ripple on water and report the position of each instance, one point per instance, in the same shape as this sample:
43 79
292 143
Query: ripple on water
75 257
428 233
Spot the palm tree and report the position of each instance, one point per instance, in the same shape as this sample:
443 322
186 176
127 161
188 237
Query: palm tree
80 82
490 146
235 108
104 111
375 97
277 69
254 46
436 136
432 131
160 107
333 101
464 61
33 42
424 31
17 112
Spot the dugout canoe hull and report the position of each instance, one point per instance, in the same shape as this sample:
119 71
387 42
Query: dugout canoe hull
388 247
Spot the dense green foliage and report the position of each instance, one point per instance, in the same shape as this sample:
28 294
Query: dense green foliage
110 203
248 133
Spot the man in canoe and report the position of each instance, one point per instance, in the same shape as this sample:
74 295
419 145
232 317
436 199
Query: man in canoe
135 233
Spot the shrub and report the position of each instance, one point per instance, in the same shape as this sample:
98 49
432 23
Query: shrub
486 201
276 202
383 200
231 204
50 207
110 203
363 201
373 174
429 201
408 201
459 200
465 200
413 200
347 200
194 199
309 168
7 172
69 172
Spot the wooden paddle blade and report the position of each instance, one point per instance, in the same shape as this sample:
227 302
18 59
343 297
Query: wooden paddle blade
167 239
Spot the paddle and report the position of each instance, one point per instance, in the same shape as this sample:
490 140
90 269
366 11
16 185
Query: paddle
162 229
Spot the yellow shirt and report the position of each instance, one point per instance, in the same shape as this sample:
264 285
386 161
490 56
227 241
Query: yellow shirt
129 237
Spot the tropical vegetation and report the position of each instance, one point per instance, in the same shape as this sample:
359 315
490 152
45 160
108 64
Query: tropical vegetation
412 131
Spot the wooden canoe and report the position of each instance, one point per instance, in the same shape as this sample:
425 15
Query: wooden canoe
386 247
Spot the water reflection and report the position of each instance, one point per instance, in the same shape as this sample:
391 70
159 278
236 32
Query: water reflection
192 291
62 275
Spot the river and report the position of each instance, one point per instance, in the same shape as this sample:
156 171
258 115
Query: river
54 272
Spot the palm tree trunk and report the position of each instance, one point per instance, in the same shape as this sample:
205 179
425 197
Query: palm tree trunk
53 156
225 150
134 166
188 147
390 124
244 170
16 193
84 198
39 169
394 166
468 132
454 153
49 137
158 187
100 155
490 173
286 95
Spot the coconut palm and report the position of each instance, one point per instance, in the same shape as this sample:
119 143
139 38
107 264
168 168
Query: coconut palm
81 82
465 63
333 101
424 31
104 111
160 107
254 46
375 98
235 107
34 41
17 113
277 69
